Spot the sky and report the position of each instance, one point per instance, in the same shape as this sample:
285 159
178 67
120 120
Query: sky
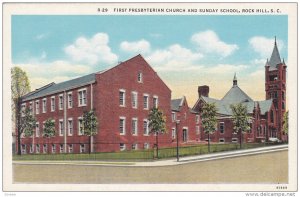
186 51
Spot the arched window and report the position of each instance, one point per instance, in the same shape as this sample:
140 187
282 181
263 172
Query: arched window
272 116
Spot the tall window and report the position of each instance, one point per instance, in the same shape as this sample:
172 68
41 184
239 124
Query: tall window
82 148
155 101
197 119
146 145
70 100
283 105
134 126
173 133
134 99
197 130
53 103
140 77
70 148
82 97
145 101
44 105
70 127
145 127
122 147
272 116
222 127
37 130
30 108
283 95
61 127
37 107
53 148
61 102
23 148
173 116
122 98
61 148
31 148
80 126
122 125
45 148
37 149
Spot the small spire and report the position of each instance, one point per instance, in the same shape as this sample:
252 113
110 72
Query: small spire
283 61
234 80
275 41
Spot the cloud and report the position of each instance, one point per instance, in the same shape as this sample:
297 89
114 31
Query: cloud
41 74
208 42
91 51
264 46
141 46
41 36
173 58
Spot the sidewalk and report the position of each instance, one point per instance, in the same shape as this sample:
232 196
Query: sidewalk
164 162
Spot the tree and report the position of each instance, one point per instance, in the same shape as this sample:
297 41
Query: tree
26 126
49 128
209 119
240 119
19 87
285 126
90 123
157 124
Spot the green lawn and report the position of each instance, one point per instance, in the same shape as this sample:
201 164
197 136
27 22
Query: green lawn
141 154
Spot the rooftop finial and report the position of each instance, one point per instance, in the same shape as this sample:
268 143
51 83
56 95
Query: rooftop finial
234 80
275 41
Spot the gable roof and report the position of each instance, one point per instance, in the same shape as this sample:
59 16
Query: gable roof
63 86
236 95
175 104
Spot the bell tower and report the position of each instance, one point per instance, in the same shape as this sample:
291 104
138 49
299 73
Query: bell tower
275 87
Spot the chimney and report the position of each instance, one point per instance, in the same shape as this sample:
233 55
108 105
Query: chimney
203 90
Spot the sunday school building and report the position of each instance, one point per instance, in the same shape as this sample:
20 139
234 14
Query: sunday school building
122 98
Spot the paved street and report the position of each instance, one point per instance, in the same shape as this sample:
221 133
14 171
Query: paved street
262 168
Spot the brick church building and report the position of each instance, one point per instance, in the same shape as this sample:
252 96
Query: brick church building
266 117
122 98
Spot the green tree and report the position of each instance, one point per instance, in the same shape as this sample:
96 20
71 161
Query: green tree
157 123
19 87
209 119
27 123
49 129
285 127
90 124
240 120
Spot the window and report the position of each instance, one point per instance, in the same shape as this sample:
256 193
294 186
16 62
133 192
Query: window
234 140
70 126
70 100
44 105
80 126
82 97
197 119
23 148
37 130
134 99
173 116
155 101
283 105
52 103
145 127
146 145
173 133
31 148
122 126
61 127
82 148
122 98
122 147
61 102
37 150
283 95
23 108
140 77
61 148
45 147
145 101
222 127
53 148
272 116
70 148
30 108
37 107
134 126
250 125
197 130
134 146
221 140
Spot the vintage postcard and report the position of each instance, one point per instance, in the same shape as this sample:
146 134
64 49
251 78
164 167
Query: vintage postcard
150 97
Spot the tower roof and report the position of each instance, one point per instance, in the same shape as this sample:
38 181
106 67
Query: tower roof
275 57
